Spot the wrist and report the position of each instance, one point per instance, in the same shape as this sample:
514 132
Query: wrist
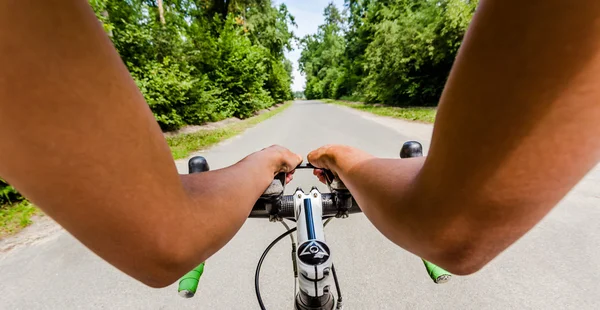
268 162
332 154
342 158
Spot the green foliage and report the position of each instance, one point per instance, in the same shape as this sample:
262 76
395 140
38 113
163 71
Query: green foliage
420 114
210 59
184 144
299 95
396 52
16 216
166 86
321 57
8 194
15 211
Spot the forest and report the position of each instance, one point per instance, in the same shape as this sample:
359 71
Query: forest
392 52
198 61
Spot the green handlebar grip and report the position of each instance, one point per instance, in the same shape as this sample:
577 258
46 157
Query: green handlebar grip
437 274
189 283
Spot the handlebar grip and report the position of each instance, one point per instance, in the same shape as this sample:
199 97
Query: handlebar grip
198 164
411 149
437 274
189 282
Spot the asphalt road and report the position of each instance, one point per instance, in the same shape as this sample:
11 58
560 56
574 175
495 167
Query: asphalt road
555 266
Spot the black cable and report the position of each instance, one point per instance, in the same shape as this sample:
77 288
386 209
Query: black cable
262 258
294 266
337 285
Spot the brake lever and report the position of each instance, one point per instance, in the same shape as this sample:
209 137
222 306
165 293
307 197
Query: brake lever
329 176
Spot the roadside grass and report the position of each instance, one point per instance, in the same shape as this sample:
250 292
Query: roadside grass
14 217
184 144
419 114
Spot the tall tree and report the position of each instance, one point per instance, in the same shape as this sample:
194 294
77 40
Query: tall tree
161 11
396 52
209 61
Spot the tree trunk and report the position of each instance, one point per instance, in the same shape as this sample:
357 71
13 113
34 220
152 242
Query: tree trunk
105 14
161 12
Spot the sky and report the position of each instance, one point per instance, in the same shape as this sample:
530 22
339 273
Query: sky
309 15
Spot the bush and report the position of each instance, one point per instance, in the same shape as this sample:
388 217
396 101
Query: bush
166 87
206 62
8 194
395 52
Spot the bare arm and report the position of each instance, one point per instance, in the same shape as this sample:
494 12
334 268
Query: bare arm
81 143
517 128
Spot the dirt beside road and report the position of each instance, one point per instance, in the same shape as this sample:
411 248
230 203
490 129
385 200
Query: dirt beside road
42 229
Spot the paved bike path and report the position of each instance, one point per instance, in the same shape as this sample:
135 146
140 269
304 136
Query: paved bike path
554 267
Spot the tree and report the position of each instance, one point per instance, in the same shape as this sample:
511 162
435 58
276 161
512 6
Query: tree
161 12
397 52
321 56
211 60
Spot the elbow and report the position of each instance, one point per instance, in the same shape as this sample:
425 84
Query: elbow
167 264
156 282
164 273
161 273
464 267
464 257
158 278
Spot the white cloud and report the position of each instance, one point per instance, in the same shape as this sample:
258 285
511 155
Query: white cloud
309 15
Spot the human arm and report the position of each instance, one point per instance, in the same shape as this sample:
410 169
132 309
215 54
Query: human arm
78 140
516 129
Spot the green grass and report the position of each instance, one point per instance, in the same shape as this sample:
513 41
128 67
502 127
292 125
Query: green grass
14 217
184 144
420 114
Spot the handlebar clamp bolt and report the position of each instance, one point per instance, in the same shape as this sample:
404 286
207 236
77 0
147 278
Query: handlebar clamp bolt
326 290
326 272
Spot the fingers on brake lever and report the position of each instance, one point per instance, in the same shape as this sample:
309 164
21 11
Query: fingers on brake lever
329 176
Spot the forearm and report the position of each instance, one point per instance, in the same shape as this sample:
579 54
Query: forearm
415 211
385 189
417 216
515 131
215 207
221 201
80 142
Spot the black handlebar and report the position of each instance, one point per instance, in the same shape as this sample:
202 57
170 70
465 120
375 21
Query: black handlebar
198 164
339 203
265 208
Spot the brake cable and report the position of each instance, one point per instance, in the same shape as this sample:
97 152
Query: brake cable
294 266
260 262
264 255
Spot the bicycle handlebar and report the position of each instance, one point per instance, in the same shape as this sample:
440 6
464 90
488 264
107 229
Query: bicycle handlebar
276 206
284 207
